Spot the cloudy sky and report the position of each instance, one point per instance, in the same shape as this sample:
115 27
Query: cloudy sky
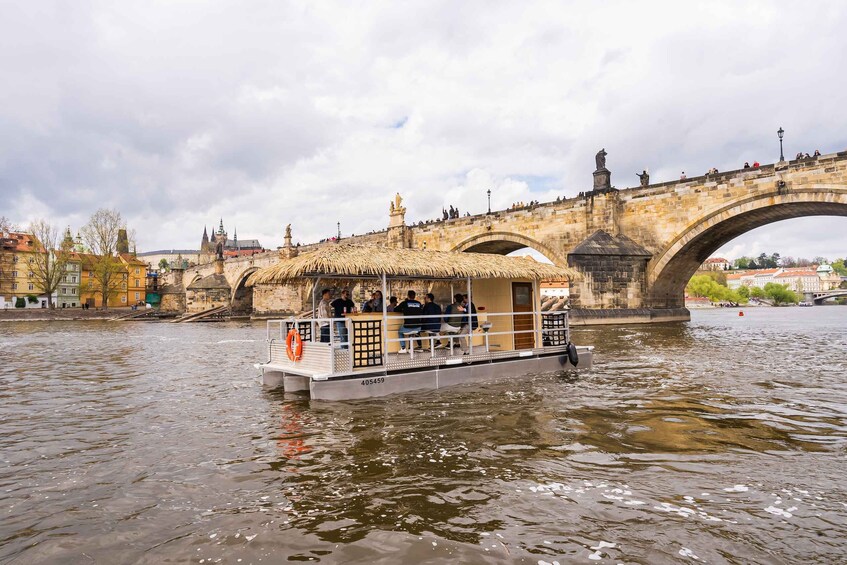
311 113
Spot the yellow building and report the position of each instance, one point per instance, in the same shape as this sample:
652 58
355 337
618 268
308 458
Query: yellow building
127 285
17 276
134 287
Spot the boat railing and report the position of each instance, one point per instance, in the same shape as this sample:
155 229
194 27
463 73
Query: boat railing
550 329
553 331
310 329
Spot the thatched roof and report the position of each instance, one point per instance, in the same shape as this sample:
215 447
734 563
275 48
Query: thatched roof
351 260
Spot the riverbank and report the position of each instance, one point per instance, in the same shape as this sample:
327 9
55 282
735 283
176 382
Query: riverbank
59 314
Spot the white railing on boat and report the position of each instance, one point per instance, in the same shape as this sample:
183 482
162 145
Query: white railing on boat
335 356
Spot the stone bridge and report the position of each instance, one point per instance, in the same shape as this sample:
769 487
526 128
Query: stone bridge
820 297
635 248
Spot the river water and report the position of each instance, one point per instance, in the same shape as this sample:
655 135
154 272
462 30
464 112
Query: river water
722 440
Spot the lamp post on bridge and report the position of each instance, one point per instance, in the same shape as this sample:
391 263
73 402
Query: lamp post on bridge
489 199
780 132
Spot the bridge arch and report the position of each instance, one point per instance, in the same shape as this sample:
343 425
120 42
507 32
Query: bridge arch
503 243
670 269
241 298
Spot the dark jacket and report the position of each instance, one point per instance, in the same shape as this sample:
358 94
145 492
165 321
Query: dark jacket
411 309
474 318
454 315
431 324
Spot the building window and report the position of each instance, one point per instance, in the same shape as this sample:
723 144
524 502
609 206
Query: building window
123 298
73 304
137 282
91 274
31 274
137 271
15 274
73 279
137 296
14 286
31 260
30 286
123 286
14 258
73 291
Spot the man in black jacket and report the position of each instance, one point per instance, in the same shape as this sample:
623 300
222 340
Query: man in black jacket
431 325
411 309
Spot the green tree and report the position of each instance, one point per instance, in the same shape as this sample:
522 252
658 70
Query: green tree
780 294
839 267
163 264
742 263
707 287
743 292
756 292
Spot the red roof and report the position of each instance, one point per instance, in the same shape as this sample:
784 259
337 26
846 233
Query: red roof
22 242
793 274
717 260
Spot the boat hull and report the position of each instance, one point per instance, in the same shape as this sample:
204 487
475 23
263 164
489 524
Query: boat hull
374 385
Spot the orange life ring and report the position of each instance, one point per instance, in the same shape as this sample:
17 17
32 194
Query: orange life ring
294 345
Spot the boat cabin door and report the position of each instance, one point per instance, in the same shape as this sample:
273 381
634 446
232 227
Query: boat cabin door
522 301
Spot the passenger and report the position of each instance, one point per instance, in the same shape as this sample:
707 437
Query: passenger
471 321
392 304
324 312
411 309
375 303
431 325
746 165
341 307
453 317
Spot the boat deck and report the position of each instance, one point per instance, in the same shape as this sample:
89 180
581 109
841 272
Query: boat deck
319 365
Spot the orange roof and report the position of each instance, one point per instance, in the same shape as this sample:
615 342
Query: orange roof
793 274
766 272
21 242
717 260
132 260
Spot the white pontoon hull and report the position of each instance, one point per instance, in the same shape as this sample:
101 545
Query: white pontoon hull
375 384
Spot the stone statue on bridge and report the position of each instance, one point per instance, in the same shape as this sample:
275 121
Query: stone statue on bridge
600 159
219 250
288 231
644 177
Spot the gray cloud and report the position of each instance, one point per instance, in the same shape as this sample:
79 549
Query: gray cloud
267 114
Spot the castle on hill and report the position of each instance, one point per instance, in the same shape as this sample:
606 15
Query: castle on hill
231 247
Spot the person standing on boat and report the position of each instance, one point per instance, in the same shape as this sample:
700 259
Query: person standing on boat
324 313
469 322
411 309
341 307
392 304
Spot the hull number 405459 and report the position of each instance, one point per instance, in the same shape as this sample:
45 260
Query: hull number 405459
376 381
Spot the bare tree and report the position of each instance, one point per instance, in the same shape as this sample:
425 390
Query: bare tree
6 225
51 258
101 237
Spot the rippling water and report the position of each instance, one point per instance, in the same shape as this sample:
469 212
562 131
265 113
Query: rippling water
722 441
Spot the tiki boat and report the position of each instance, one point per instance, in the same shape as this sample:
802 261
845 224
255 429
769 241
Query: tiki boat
507 336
